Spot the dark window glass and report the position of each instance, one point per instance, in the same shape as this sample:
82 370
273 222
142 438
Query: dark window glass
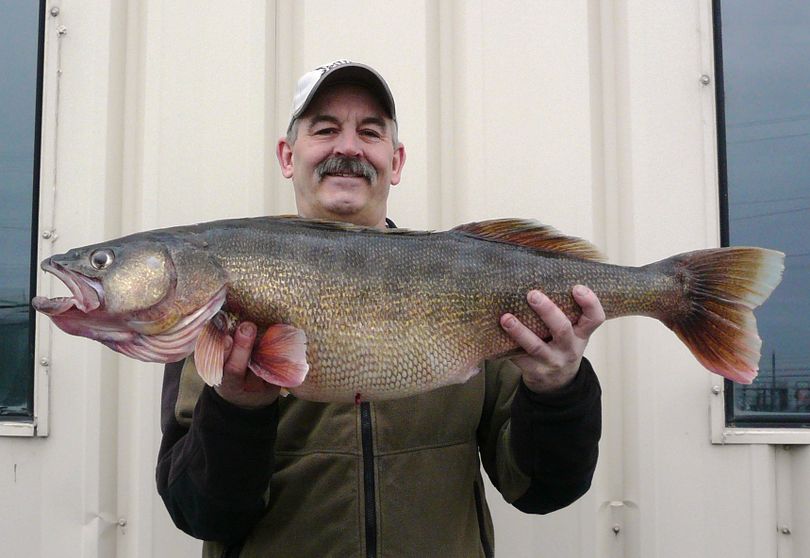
763 60
20 87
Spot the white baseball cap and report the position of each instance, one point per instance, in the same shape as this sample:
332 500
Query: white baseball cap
340 71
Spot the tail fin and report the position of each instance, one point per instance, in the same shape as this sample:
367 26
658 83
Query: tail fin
723 286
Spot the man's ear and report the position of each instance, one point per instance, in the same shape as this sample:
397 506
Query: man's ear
397 163
285 157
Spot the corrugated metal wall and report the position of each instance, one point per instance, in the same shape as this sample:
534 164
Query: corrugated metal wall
588 115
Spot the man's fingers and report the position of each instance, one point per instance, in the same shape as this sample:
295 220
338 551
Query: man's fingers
228 347
558 324
593 315
551 365
240 386
524 337
237 361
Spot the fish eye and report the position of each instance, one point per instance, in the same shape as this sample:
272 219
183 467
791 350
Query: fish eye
101 259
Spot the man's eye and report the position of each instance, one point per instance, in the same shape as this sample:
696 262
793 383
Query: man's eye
325 131
371 133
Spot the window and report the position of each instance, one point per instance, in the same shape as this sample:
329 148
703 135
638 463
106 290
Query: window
763 73
20 100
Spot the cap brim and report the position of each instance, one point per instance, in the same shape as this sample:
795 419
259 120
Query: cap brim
353 74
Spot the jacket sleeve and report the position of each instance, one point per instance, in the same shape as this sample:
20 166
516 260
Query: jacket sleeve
215 459
540 450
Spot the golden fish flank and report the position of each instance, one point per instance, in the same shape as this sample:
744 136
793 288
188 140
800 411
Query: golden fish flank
345 310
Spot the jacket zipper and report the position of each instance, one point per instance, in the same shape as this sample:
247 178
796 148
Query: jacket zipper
368 480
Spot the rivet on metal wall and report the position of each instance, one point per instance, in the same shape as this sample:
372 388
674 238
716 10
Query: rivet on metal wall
122 524
61 30
616 529
716 390
44 361
784 529
55 11
705 79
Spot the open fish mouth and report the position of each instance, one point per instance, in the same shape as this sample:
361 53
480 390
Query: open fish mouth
87 293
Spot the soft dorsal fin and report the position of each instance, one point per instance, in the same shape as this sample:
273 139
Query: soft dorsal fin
532 234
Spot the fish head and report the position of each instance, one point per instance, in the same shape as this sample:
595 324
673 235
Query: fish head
147 296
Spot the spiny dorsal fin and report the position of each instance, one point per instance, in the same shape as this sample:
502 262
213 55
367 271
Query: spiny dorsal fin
532 234
323 224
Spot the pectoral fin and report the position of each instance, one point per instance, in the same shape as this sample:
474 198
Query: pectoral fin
209 353
280 358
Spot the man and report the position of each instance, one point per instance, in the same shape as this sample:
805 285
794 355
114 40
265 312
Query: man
258 475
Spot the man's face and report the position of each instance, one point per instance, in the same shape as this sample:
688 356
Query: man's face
343 161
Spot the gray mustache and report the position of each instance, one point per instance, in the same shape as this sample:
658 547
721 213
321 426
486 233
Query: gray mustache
346 165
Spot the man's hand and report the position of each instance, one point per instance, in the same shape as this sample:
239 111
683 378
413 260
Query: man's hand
548 366
240 386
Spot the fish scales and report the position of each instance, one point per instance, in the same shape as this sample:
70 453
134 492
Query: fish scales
392 315
387 314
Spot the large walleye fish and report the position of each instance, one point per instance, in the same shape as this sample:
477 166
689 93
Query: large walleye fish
347 312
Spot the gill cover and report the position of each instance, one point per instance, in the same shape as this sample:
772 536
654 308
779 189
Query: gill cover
176 275
140 276
198 275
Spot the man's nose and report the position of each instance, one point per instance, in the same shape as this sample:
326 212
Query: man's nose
349 145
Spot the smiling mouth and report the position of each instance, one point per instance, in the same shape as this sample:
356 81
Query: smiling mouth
86 293
346 167
346 175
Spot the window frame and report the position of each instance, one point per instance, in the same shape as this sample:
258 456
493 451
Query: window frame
44 152
721 392
723 433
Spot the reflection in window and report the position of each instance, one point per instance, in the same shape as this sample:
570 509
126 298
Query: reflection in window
765 84
19 154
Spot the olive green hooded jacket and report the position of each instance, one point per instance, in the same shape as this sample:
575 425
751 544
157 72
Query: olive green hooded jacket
396 478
